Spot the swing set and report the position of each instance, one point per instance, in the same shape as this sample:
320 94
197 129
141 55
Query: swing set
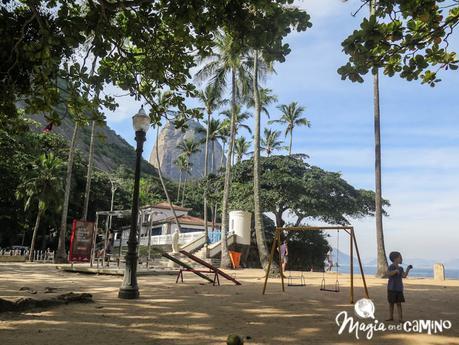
352 242
323 287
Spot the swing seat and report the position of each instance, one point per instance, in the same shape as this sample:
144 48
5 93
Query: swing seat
323 287
291 281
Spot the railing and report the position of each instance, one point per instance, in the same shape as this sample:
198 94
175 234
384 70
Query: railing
214 236
216 247
157 240
195 244
38 255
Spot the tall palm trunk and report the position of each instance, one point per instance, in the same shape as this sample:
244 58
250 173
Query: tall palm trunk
223 153
89 173
160 174
179 186
212 159
183 191
258 214
291 140
225 262
206 172
35 231
61 255
233 152
381 251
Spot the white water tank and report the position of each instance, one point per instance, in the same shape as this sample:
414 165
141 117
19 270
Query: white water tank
240 223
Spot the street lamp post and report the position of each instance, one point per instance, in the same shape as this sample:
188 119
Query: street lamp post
129 288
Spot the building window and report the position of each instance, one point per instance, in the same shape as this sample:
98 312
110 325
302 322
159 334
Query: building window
156 231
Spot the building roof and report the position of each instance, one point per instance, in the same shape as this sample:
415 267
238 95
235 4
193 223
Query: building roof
165 206
183 220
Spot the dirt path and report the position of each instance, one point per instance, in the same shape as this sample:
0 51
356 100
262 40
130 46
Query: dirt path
197 313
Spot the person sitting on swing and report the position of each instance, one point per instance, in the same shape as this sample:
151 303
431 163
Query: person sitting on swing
284 254
330 260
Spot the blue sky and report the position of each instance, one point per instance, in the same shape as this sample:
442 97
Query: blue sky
420 135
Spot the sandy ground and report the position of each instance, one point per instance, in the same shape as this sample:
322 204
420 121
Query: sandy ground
197 313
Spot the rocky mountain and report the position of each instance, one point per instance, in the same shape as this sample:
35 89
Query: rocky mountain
168 149
110 151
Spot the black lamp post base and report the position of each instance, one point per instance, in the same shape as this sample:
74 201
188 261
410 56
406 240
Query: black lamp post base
128 293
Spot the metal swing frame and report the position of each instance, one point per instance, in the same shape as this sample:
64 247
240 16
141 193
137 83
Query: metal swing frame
352 242
323 286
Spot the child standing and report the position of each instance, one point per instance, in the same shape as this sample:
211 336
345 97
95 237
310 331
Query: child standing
395 285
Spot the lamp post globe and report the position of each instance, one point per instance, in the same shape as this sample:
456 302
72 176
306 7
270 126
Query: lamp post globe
129 288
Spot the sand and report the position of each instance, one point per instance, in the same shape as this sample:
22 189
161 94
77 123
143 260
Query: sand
198 313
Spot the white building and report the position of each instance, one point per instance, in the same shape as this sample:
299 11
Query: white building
159 221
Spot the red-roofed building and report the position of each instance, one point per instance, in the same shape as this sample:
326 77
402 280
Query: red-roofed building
159 222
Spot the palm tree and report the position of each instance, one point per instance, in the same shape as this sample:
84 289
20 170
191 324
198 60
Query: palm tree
188 147
225 134
266 98
187 171
260 100
45 185
211 101
227 60
241 117
241 148
271 142
216 132
291 116
381 250
180 163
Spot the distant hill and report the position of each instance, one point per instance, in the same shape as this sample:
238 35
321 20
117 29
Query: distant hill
423 263
344 259
168 150
111 150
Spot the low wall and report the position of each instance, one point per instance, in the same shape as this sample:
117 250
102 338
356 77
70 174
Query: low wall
12 258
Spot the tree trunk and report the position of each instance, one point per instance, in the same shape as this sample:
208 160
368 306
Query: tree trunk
233 152
223 154
35 231
179 185
212 160
258 213
89 173
206 172
279 220
291 140
225 262
214 216
160 174
381 251
61 255
183 191
381 258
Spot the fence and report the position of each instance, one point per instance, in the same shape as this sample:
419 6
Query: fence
23 255
164 239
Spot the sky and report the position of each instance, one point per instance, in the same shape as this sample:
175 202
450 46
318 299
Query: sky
420 135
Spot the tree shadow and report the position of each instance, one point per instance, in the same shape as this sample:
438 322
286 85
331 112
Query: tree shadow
191 313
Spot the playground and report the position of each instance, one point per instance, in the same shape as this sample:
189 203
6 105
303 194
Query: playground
196 312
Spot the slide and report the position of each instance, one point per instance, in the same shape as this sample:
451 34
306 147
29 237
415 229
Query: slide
186 266
209 266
